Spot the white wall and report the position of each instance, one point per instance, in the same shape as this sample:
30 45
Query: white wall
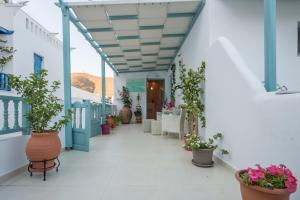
27 42
120 81
258 127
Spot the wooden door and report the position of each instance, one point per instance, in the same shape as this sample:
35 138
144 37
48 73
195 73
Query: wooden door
155 95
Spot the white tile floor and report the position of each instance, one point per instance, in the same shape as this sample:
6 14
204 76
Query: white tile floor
126 165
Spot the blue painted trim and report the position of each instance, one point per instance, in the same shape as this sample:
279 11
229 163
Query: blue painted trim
83 31
150 43
150 54
131 50
67 72
120 63
115 56
123 17
103 89
168 48
4 31
130 37
150 62
176 15
173 35
197 13
270 45
134 59
100 30
158 27
109 45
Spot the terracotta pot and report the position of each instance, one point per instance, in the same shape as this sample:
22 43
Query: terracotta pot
257 193
111 121
43 146
138 119
203 157
125 115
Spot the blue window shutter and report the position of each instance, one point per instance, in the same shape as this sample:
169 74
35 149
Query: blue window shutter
37 63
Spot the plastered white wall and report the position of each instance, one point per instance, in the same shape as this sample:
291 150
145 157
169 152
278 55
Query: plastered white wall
27 41
258 127
120 81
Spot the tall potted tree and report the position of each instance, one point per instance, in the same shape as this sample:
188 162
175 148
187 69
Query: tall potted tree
191 84
44 143
125 112
138 110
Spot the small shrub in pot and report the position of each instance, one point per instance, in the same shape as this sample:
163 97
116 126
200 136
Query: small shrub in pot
203 150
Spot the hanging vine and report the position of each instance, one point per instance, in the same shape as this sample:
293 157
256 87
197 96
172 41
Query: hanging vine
6 54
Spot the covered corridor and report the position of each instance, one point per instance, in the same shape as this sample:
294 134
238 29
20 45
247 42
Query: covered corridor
126 165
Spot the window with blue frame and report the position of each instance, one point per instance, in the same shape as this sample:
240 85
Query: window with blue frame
37 63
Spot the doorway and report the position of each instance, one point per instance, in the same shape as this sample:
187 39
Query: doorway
155 97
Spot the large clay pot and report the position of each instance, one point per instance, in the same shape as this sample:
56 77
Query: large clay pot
43 146
251 192
125 115
203 157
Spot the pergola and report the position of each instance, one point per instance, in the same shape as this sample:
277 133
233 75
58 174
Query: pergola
143 35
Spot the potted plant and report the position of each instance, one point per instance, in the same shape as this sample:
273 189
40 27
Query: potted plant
203 150
111 121
125 112
117 119
169 107
271 183
191 84
138 110
44 143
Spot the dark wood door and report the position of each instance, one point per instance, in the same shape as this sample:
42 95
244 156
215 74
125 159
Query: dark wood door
155 95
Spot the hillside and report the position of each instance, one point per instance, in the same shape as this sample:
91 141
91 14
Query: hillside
92 83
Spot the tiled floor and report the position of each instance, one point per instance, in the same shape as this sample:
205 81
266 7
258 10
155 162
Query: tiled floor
126 165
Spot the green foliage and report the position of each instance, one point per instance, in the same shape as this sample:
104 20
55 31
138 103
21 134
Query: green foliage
125 97
117 119
195 143
173 82
191 84
6 53
39 95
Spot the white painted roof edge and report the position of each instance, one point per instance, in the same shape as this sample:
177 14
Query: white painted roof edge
116 2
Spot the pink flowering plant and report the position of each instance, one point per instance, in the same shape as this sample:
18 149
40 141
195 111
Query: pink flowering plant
169 105
272 177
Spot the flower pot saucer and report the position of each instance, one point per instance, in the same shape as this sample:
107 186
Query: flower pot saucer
203 165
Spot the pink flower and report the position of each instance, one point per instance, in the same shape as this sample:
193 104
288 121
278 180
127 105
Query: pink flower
274 170
169 105
291 183
255 175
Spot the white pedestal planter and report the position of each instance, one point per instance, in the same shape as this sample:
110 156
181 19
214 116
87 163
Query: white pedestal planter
147 125
171 124
155 127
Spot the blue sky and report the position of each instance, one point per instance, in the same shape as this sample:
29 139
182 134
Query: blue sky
84 57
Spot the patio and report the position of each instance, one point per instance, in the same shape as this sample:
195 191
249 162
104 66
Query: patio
127 164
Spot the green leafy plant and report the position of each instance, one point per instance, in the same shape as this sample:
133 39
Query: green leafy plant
125 97
6 53
117 119
138 108
195 142
191 84
44 105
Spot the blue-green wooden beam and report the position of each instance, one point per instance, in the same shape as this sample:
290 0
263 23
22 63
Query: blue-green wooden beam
153 70
85 34
270 44
103 78
67 72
